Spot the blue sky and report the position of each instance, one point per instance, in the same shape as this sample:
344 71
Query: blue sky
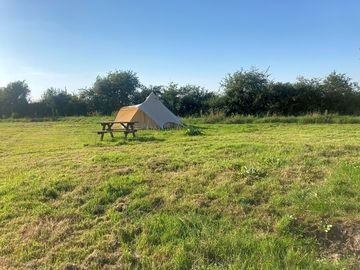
68 43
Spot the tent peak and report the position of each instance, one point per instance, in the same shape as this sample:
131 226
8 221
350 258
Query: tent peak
152 96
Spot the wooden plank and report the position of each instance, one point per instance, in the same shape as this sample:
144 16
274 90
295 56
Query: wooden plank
116 130
116 122
108 131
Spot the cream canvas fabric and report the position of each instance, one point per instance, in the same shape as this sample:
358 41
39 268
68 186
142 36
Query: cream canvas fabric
149 114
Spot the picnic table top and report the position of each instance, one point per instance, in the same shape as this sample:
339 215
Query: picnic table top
118 122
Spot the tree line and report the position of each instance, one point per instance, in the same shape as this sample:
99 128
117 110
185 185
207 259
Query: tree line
245 92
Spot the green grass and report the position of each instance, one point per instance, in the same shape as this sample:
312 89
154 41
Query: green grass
249 196
315 118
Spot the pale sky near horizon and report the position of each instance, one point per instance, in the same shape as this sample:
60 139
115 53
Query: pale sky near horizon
68 43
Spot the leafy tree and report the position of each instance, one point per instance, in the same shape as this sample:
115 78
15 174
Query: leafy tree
245 92
186 100
14 99
216 103
60 103
281 98
339 93
2 102
194 100
56 101
308 96
171 98
111 92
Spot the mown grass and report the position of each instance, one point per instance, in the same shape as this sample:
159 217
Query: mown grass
249 196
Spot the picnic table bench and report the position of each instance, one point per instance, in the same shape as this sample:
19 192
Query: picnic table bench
107 127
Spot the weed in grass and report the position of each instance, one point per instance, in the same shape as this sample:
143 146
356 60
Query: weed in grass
193 131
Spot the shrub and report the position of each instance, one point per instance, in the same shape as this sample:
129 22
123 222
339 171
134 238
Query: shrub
193 131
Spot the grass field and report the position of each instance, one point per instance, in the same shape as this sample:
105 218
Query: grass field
242 196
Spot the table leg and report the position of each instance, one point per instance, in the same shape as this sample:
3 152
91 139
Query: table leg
126 126
110 126
132 129
102 134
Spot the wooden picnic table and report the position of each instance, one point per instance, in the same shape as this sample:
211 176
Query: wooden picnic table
107 127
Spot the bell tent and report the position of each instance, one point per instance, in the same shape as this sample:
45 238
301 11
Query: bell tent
149 114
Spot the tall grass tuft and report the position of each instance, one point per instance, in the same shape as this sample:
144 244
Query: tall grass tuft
314 118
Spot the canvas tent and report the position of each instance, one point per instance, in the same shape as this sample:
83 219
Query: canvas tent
149 114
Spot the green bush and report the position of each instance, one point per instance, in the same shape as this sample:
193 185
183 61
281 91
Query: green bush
193 131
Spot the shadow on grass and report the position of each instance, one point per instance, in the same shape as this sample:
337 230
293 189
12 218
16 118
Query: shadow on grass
122 141
145 139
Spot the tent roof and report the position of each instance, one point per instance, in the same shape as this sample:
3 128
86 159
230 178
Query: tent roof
155 109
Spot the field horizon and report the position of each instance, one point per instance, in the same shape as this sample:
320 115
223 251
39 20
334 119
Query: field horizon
248 193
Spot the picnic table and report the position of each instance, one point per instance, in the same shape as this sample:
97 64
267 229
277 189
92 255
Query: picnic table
107 127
